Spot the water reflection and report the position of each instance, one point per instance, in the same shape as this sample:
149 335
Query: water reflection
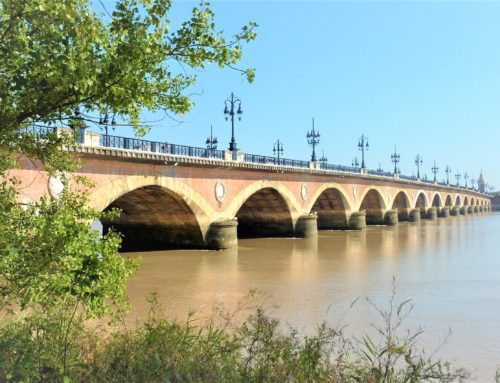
449 267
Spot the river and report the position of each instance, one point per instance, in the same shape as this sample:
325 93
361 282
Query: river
450 268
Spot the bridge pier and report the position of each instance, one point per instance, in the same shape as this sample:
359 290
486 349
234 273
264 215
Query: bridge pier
455 211
444 212
403 214
391 217
463 210
222 235
476 209
414 215
470 210
306 226
431 213
357 220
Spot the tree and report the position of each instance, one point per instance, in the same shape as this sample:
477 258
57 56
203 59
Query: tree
57 57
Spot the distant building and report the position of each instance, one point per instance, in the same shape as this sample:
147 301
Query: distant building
481 185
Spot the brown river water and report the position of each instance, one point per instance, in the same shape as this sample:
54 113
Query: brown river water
450 268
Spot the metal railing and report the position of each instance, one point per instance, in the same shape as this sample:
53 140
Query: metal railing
268 160
339 168
158 147
42 132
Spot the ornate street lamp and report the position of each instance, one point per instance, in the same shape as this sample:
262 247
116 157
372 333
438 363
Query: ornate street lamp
278 150
457 176
77 122
418 162
355 162
435 169
473 183
363 145
395 157
211 143
380 170
448 172
466 177
103 125
313 140
323 159
230 113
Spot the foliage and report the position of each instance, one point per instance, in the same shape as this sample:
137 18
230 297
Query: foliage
161 350
58 55
50 254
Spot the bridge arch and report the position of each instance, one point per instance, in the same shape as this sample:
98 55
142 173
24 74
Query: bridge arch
402 204
264 209
157 212
458 200
421 203
466 201
436 200
373 203
448 202
331 205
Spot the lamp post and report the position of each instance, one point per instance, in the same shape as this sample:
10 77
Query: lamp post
395 157
103 125
211 143
355 162
448 172
77 122
323 159
363 145
418 162
435 169
466 177
380 170
473 183
230 113
457 176
313 140
278 150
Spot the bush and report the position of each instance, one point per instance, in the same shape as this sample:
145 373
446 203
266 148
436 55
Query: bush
57 346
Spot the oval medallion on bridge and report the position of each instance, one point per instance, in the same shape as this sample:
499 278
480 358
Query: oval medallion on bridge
303 192
56 186
355 192
219 191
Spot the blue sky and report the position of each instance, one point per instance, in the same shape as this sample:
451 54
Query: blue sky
424 76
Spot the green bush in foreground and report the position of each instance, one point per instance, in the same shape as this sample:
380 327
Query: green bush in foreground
40 349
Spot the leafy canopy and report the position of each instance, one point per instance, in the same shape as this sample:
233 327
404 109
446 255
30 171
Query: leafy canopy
57 55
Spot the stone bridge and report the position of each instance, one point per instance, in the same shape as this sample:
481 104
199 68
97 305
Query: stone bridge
170 200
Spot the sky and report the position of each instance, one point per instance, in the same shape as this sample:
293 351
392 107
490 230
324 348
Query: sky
421 76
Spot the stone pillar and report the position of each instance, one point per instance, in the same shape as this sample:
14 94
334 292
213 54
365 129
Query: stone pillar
414 215
306 226
470 209
222 235
463 210
357 221
444 212
476 209
431 213
391 217
455 211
